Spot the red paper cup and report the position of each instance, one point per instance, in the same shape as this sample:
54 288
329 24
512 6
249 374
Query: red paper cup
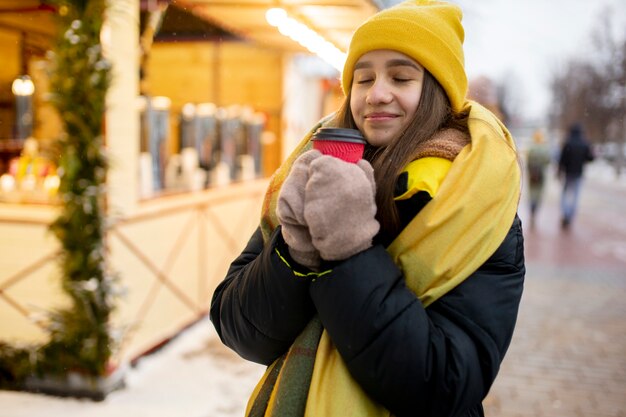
345 144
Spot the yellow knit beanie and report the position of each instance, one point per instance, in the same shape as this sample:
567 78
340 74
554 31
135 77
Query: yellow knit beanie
428 31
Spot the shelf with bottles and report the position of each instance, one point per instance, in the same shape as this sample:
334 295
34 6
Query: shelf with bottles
216 146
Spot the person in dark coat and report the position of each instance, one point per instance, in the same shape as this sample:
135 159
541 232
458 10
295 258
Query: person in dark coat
575 153
390 286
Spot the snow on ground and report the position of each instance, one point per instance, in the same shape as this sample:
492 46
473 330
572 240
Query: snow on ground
192 376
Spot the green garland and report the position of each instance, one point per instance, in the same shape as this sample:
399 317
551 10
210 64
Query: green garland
80 337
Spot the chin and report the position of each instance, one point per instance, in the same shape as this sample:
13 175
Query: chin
378 141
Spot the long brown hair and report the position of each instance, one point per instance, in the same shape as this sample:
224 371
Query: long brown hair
433 113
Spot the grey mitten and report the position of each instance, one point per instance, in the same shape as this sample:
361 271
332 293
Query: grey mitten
340 207
290 212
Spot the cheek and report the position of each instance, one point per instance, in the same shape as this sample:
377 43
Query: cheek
411 103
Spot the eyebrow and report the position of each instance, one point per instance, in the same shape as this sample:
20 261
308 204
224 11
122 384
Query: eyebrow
398 62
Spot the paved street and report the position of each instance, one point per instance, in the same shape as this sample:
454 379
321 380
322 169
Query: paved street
568 355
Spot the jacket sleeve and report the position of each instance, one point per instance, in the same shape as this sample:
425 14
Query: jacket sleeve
261 305
439 361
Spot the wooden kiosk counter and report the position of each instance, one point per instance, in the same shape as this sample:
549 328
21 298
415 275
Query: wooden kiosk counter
170 250
170 254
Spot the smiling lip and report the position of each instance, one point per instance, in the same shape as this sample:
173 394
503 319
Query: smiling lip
380 116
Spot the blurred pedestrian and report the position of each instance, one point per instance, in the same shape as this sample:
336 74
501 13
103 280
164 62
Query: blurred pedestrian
537 161
575 153
389 286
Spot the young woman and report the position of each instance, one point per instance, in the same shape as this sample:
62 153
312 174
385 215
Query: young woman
390 286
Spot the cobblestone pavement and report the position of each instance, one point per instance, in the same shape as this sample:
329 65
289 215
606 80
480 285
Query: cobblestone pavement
568 355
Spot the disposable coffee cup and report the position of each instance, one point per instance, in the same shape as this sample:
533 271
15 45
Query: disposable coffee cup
342 143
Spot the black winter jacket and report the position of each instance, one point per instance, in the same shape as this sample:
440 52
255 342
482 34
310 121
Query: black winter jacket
435 362
575 153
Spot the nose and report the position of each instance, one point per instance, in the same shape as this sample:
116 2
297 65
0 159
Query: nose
379 92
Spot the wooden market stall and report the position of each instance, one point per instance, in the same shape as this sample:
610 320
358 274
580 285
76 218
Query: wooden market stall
170 250
172 245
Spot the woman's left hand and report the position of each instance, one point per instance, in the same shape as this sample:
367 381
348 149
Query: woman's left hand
340 207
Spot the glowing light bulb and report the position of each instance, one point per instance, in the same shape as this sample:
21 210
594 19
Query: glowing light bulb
306 37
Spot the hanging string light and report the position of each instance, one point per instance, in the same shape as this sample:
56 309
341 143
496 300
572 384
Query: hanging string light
306 37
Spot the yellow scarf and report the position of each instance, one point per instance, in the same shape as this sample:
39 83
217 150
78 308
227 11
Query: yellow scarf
455 233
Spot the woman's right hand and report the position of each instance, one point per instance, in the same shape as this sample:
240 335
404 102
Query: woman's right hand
290 212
